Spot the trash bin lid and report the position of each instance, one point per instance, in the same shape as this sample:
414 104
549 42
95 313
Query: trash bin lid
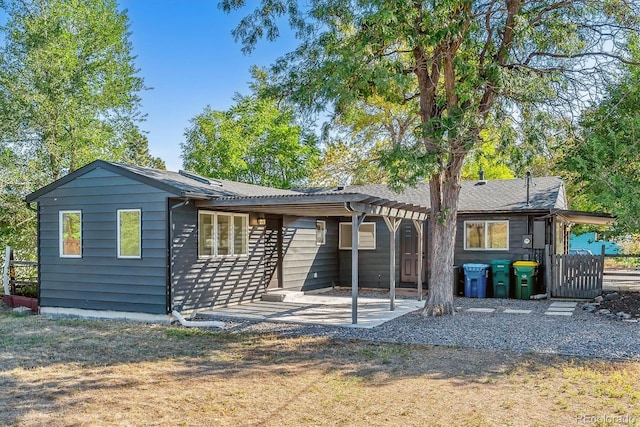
472 266
525 264
500 262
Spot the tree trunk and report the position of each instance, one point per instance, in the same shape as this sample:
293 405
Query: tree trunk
444 191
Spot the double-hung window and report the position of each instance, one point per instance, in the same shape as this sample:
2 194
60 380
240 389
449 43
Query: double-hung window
486 235
222 234
70 234
366 236
129 233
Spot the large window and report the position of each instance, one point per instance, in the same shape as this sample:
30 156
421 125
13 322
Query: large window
222 234
486 235
366 235
129 233
71 234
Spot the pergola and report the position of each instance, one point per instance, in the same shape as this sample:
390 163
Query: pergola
331 204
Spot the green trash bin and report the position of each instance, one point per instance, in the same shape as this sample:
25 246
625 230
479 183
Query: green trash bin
500 272
525 274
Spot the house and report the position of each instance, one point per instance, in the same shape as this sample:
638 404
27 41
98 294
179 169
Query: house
589 241
123 241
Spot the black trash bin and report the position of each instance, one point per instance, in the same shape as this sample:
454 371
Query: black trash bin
458 281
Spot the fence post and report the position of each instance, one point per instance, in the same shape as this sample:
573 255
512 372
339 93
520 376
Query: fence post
600 282
548 271
5 271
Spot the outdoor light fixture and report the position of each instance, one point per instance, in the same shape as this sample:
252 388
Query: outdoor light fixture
262 220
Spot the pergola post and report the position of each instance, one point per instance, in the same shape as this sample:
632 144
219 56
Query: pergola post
392 225
356 220
419 225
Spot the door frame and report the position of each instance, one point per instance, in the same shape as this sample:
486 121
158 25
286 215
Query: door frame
404 254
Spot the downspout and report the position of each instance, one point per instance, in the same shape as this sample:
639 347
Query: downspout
197 324
175 313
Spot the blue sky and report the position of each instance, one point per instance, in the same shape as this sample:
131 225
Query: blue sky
187 56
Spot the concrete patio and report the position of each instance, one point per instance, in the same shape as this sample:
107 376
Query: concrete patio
297 307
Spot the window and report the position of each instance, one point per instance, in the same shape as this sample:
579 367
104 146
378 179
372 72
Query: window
366 235
486 235
70 234
222 234
129 233
321 232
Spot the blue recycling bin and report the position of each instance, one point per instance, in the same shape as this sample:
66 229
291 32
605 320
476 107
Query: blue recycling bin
475 280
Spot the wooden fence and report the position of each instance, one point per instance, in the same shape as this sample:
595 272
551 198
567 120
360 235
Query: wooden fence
575 276
14 283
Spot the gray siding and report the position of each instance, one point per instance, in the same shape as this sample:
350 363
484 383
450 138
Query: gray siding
99 280
373 265
518 227
373 268
199 283
307 266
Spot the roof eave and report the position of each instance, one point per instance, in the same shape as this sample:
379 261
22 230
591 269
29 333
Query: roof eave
104 165
590 218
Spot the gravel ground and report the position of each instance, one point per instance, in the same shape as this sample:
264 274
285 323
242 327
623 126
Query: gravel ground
583 334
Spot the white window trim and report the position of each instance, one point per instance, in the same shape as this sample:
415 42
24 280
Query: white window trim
360 248
324 232
139 236
231 237
486 235
61 234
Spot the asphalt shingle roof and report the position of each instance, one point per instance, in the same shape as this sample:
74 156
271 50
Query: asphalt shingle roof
190 183
493 195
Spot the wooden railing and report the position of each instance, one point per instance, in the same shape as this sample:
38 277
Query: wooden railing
13 283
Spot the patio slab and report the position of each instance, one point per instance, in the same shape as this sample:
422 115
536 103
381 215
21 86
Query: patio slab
514 311
567 304
319 310
567 309
480 310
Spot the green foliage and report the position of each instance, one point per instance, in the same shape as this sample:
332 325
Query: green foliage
347 163
488 158
69 83
602 164
359 138
130 233
136 151
256 141
70 95
456 64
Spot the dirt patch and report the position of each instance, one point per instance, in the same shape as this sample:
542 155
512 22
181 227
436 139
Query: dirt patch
628 302
72 372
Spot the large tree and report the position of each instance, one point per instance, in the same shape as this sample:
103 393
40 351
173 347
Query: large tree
69 94
257 141
69 86
601 162
464 63
358 143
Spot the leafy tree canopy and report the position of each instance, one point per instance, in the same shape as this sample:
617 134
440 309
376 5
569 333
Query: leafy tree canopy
602 162
462 63
70 88
69 94
256 141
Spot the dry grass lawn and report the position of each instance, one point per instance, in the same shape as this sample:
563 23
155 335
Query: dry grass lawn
83 373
